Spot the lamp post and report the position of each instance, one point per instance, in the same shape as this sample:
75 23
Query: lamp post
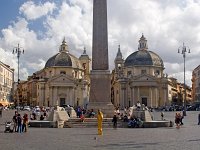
18 50
183 50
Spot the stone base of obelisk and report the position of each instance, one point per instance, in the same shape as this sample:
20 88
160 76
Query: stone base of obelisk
100 92
106 108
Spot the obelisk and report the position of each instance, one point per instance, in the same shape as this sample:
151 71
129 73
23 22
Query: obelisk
100 87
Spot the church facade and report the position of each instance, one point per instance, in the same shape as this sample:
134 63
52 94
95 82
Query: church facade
63 81
140 78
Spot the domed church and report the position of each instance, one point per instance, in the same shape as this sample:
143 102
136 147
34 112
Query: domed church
140 78
63 81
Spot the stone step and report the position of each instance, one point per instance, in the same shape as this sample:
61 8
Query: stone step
148 116
89 120
90 123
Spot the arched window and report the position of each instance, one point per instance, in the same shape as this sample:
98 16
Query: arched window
62 72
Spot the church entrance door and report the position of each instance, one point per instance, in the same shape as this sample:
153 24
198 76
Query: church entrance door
144 101
62 101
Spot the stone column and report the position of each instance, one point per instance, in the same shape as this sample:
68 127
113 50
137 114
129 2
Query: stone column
151 96
56 96
165 97
51 96
132 96
156 102
100 92
138 94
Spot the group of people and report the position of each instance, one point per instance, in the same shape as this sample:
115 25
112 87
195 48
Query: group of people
20 122
178 119
126 117
81 113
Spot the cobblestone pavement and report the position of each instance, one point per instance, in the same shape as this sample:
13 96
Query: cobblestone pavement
185 138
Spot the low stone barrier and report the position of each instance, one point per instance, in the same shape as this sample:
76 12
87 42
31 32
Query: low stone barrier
157 124
42 124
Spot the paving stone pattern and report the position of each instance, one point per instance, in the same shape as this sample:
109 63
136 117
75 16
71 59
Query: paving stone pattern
185 138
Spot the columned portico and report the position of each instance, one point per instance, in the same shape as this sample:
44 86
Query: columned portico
147 93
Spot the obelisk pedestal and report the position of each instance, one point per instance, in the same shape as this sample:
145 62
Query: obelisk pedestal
100 89
100 95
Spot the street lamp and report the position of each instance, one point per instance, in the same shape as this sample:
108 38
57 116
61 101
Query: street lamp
183 50
18 50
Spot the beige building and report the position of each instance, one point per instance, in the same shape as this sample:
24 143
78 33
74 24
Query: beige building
176 92
196 84
140 78
64 80
6 84
173 96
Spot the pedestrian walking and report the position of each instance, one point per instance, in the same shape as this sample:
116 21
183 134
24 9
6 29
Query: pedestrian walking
114 120
162 115
199 119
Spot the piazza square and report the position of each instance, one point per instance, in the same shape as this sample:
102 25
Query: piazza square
98 74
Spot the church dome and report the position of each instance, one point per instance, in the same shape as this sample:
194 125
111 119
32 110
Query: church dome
60 59
63 58
143 56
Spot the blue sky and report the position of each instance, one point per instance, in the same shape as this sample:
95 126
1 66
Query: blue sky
40 25
9 10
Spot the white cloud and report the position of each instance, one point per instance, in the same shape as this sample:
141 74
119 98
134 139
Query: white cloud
165 24
73 22
32 11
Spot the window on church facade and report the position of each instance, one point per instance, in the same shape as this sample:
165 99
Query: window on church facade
50 73
129 73
84 65
62 72
142 45
143 71
76 74
157 72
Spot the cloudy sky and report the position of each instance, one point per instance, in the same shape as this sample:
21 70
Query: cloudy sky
40 25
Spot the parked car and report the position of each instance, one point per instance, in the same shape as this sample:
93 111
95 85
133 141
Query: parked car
27 108
19 107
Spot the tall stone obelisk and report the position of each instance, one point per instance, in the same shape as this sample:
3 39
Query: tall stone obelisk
100 89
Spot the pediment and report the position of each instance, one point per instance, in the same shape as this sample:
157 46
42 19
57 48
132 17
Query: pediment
145 77
64 79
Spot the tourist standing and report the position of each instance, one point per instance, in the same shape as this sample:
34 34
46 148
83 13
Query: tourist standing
25 123
118 111
79 111
178 120
199 119
114 120
15 122
138 105
181 118
19 123
100 120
